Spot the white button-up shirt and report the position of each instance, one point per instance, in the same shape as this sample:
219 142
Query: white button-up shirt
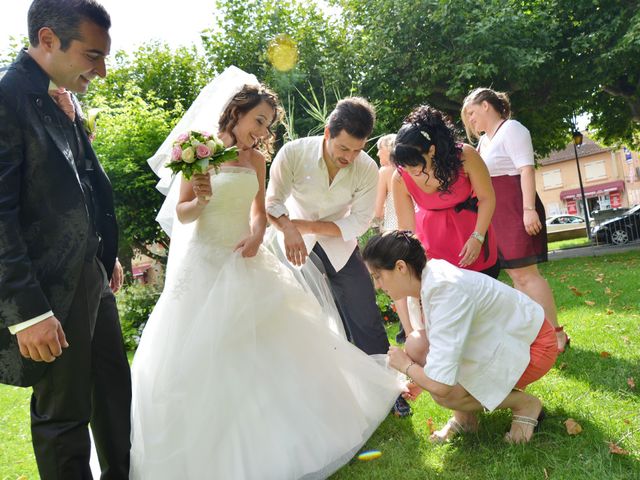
480 331
299 187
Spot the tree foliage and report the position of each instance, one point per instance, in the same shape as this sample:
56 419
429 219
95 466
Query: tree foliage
129 131
142 98
245 29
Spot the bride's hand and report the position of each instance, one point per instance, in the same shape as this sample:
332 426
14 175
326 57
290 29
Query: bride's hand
248 247
202 187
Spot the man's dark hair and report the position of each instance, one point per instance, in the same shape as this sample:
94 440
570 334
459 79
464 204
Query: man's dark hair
64 18
354 115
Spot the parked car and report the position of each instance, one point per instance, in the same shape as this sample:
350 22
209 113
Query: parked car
619 230
565 227
563 219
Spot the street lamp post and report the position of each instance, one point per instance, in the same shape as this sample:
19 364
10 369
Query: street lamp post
577 141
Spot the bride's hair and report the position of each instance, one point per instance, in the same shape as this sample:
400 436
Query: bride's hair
244 101
423 127
384 250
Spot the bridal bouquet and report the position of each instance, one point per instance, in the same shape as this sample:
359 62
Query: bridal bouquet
196 152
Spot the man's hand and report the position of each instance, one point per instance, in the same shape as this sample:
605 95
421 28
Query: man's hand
117 277
294 246
43 341
412 391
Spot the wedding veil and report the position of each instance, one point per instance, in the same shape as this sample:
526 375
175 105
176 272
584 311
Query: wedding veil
204 114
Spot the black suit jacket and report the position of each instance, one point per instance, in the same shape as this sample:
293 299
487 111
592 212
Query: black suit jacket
44 221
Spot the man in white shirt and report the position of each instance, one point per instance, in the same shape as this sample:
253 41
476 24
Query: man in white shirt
321 195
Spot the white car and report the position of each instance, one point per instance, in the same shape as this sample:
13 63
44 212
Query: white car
565 227
563 219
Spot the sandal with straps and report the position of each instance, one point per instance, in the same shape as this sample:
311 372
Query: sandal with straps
535 423
567 343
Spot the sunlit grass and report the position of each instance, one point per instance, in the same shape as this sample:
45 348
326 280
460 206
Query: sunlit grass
599 303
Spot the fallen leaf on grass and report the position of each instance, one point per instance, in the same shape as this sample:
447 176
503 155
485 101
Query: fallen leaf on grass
607 291
631 383
609 311
430 425
615 449
577 292
573 427
590 303
625 339
599 277
546 474
605 354
562 366
627 421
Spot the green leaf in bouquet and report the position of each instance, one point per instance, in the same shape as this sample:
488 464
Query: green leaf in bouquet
201 165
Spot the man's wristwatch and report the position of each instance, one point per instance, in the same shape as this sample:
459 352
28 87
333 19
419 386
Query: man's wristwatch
478 237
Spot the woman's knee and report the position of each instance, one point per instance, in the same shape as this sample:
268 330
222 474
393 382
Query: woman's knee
524 275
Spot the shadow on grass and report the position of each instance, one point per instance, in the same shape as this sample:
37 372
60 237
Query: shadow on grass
598 371
552 453
402 450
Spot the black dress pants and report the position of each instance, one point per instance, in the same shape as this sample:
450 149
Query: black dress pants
89 383
355 297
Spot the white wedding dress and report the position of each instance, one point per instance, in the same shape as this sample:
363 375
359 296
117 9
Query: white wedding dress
237 375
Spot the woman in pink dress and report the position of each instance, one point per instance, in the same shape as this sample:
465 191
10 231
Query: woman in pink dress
506 148
451 188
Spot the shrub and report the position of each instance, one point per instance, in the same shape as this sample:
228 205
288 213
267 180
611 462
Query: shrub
135 303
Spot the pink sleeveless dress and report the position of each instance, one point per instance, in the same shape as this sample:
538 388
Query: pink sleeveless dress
445 221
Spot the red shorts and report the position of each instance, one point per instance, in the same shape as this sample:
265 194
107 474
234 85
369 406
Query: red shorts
543 352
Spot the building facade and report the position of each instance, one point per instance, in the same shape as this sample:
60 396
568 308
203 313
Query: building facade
610 177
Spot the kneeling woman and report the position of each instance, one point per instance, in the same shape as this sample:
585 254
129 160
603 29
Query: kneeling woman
486 341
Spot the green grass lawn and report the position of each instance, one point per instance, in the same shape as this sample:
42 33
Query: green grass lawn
573 243
599 303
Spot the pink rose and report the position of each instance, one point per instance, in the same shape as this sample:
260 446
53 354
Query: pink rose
206 134
203 151
176 153
183 137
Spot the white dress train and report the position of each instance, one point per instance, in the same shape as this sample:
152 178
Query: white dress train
237 375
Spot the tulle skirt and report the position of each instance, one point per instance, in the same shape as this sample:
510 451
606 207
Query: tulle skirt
238 376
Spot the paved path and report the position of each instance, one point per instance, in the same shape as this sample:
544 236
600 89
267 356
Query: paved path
592 251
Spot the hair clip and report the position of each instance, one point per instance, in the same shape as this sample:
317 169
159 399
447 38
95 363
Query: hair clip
407 235
425 135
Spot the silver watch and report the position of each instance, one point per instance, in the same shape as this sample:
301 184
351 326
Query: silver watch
478 237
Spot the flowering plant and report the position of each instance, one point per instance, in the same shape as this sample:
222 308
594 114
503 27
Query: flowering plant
196 152
89 122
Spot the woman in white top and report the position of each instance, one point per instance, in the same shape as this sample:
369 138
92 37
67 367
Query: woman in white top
385 212
487 341
519 218
385 216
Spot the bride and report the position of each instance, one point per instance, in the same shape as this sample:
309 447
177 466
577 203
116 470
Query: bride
238 374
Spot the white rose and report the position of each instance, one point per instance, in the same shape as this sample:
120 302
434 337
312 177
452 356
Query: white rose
188 155
195 143
211 145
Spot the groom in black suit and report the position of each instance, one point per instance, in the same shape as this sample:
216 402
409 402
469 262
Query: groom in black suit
59 328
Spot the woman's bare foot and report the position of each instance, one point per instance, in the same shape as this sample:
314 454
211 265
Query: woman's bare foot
562 338
525 420
460 423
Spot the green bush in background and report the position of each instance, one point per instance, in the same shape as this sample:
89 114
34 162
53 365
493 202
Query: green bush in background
135 303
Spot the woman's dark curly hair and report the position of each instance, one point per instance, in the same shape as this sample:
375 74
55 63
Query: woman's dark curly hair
423 127
244 101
